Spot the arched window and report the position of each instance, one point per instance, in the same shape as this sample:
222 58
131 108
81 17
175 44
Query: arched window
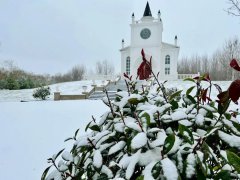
128 65
167 59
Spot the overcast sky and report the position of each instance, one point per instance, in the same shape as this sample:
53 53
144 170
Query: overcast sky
50 36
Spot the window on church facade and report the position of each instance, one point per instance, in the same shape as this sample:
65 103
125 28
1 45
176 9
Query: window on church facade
167 59
128 65
167 71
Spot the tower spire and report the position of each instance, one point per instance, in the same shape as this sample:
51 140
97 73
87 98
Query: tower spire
147 11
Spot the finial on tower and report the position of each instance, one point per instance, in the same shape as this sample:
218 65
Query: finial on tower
133 18
122 43
147 11
159 15
176 39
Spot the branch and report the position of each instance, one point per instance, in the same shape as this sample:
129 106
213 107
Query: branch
235 8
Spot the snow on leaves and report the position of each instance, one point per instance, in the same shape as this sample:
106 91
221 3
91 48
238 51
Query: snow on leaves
151 134
139 140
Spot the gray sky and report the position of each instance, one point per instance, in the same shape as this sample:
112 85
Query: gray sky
50 36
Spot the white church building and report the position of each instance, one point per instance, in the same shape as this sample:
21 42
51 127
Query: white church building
146 34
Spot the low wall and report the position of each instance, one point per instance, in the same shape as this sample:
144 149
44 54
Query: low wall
85 95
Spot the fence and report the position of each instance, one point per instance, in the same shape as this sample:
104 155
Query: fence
100 77
184 76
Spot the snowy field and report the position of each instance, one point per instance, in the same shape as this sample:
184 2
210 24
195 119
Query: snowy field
67 88
30 132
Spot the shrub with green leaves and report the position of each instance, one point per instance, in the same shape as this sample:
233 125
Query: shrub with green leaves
153 134
157 133
41 93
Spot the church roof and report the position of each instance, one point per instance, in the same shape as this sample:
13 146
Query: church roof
147 11
167 45
125 48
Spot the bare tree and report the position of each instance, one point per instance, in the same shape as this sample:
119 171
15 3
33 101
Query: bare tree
230 50
217 65
99 68
104 68
234 8
77 72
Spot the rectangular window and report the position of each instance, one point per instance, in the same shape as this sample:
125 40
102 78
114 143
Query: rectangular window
167 71
128 66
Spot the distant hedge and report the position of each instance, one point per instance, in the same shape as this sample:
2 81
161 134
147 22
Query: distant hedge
18 79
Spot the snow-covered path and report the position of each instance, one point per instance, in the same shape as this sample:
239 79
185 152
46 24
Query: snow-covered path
31 132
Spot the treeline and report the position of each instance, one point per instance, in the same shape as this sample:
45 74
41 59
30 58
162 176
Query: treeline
12 77
216 65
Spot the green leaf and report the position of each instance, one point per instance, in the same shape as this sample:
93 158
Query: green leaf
222 107
140 178
186 133
200 172
176 94
95 128
234 160
236 125
189 79
75 135
68 139
87 126
190 90
228 116
191 99
156 170
174 105
102 177
59 153
133 101
224 174
168 144
147 116
45 173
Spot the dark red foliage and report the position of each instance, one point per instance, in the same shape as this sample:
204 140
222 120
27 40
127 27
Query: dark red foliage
125 75
204 95
234 90
145 69
234 64
206 77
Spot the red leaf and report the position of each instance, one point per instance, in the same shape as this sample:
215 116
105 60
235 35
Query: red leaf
234 90
196 78
207 77
143 53
204 95
209 99
234 64
125 75
130 78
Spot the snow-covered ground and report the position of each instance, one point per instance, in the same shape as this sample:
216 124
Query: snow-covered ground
30 132
75 87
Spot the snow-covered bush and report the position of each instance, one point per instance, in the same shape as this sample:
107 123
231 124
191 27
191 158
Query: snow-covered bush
41 93
153 134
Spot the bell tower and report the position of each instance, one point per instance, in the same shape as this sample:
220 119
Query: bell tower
147 31
146 34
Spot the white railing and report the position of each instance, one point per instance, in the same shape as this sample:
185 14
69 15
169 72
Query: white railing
100 77
184 76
